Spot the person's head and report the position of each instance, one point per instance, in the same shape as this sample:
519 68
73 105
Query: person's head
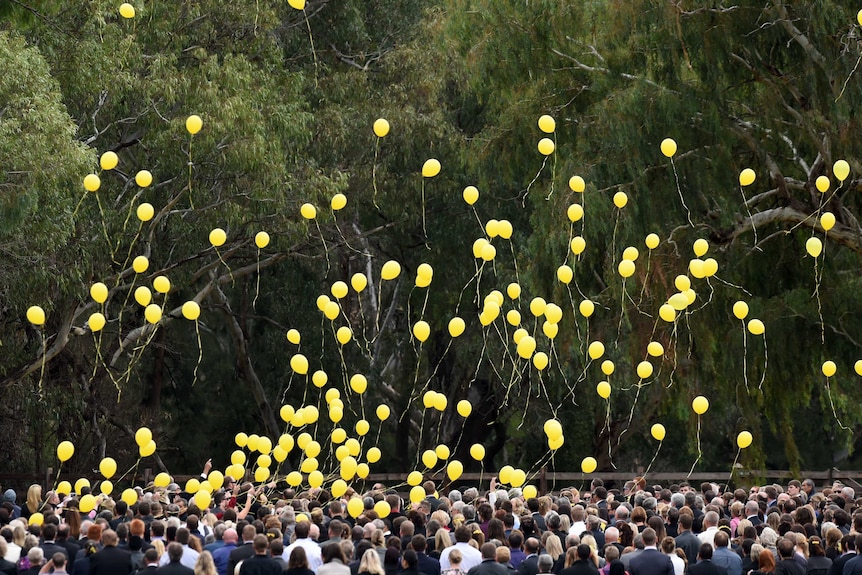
503 554
532 545
721 538
35 555
545 563
409 559
109 538
248 533
260 544
455 557
330 553
175 552
298 558
705 552
49 531
649 537
489 551
785 548
463 534
766 561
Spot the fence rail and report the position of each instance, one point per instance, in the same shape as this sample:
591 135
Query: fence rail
543 479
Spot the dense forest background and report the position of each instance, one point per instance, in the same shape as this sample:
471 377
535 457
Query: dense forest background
288 98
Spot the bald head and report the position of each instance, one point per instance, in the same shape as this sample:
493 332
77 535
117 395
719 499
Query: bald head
230 536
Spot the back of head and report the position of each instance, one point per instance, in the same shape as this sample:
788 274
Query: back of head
785 548
260 544
463 534
175 552
418 543
109 538
503 555
721 538
705 552
331 552
409 556
617 568
545 563
649 537
248 533
584 551
489 551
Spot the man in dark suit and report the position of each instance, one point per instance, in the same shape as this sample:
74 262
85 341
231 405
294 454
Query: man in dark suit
151 562
427 565
488 566
752 512
686 540
49 545
705 566
533 506
243 551
260 563
530 564
110 560
848 544
582 565
651 561
174 567
786 564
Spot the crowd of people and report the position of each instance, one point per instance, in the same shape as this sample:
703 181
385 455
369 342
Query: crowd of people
638 529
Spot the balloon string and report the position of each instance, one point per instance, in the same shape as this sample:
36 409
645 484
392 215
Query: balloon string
699 453
622 311
646 278
221 259
818 276
515 263
325 248
608 427
765 363
533 181
81 201
832 405
44 359
733 466
200 353
424 229
631 413
105 228
257 282
753 226
553 170
374 173
745 356
660 443
853 71
311 42
191 164
679 190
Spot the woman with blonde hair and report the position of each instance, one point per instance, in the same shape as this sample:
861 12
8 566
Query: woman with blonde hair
159 546
34 501
369 564
442 540
205 565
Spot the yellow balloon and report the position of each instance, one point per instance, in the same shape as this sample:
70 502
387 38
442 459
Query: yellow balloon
355 507
36 519
596 350
577 184
148 449
746 177
513 290
440 402
191 310
456 326
382 509
506 229
127 10
700 247
667 313
143 296
710 267
382 412
414 478
621 199
668 147
241 439
106 487
756 327
381 127
308 211
153 313
202 499
194 124
858 367
285 441
586 308
358 383
107 467
529 492
550 330
655 349
96 322
92 182
644 369
822 184
421 330
442 451
828 368
261 239
338 202
297 4
547 124
307 466
471 195
740 310
626 268
657 431
373 455
608 367
146 212
143 178
299 364
589 464
87 502
827 220
652 241
358 282
64 487
630 253
108 161
565 274
390 270
477 451
417 494
65 451
526 347
537 306
678 301
492 228
162 284
293 336
344 335
488 252
162 480
430 168
339 487
540 360
464 408
140 264
743 440
695 267
603 389
841 169
309 416
505 475
553 429
130 496
294 478
700 404
682 282
253 439
546 146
